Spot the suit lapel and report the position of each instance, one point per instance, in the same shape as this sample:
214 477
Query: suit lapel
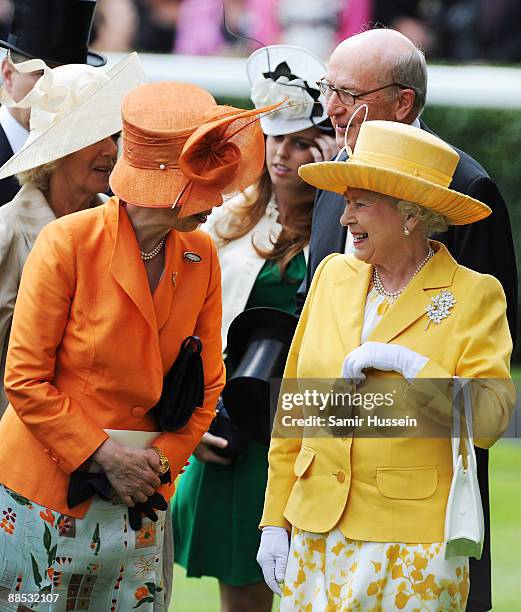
350 292
126 266
33 213
438 273
6 152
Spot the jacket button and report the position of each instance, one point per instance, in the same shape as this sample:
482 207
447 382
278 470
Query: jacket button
340 476
138 412
47 451
55 460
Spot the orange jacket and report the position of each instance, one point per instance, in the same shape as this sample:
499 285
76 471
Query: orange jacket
90 346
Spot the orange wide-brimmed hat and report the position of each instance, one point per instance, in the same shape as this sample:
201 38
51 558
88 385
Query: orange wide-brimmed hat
180 148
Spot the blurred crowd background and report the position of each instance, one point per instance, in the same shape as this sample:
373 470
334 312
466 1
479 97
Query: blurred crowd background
453 30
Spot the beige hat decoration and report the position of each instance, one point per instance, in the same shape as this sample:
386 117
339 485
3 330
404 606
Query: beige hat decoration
404 162
72 107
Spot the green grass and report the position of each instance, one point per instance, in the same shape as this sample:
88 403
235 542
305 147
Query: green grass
202 595
505 513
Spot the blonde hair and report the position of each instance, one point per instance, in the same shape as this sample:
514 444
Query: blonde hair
432 222
39 176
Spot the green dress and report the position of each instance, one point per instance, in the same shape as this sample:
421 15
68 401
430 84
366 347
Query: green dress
217 509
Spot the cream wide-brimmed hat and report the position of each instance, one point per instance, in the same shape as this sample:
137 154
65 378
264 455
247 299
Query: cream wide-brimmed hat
404 162
287 73
72 107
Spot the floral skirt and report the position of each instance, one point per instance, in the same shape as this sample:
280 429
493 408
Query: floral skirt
51 562
327 572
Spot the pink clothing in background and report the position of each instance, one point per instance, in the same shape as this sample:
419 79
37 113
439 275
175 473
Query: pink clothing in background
199 28
354 16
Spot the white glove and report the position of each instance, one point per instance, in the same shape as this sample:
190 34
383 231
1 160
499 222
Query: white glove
273 556
381 356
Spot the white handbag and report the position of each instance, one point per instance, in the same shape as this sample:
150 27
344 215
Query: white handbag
464 522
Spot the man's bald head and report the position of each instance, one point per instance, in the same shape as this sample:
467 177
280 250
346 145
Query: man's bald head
392 56
382 44
372 59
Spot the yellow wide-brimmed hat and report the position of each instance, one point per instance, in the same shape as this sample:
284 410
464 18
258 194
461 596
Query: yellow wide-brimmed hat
404 162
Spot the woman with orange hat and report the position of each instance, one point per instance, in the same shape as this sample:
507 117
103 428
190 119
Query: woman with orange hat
107 298
262 238
357 517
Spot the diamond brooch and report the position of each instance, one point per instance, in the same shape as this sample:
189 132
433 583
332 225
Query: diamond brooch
440 308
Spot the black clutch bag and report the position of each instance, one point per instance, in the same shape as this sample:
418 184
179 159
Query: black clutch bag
183 387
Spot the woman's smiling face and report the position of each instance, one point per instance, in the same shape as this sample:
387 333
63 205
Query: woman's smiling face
375 223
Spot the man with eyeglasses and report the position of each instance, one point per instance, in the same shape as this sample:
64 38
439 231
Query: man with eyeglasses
385 71
55 31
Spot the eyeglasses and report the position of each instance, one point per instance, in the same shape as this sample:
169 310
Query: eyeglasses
349 99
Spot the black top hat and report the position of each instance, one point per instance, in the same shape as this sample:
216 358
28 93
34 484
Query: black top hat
258 344
55 31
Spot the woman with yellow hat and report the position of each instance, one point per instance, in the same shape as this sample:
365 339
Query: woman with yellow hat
93 438
356 521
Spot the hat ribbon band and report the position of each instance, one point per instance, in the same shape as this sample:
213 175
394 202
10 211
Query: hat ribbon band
159 155
143 164
406 166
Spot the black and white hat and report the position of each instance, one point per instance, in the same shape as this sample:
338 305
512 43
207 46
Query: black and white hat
280 72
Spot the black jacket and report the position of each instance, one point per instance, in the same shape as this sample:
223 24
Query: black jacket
486 246
9 186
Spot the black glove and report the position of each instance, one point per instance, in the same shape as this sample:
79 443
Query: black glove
223 427
156 501
83 485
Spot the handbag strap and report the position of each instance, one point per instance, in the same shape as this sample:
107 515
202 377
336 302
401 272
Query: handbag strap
461 392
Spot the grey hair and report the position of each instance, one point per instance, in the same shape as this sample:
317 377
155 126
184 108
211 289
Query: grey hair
39 176
411 69
432 222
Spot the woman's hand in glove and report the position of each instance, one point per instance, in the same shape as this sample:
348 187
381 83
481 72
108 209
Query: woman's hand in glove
381 356
273 556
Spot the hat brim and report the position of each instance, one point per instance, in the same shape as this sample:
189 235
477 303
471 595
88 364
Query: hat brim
458 208
258 322
93 59
92 120
273 126
146 187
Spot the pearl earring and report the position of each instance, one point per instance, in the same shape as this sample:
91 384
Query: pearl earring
406 230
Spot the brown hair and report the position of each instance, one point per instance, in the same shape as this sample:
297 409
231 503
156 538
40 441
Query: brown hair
243 217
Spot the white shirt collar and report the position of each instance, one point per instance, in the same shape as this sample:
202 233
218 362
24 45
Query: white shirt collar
15 132
416 123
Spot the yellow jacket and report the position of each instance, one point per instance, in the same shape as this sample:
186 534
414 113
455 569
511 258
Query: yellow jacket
389 489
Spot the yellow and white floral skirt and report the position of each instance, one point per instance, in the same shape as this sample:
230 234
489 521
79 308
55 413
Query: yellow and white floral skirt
327 572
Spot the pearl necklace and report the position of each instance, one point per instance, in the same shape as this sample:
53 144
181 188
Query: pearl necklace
154 252
392 296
